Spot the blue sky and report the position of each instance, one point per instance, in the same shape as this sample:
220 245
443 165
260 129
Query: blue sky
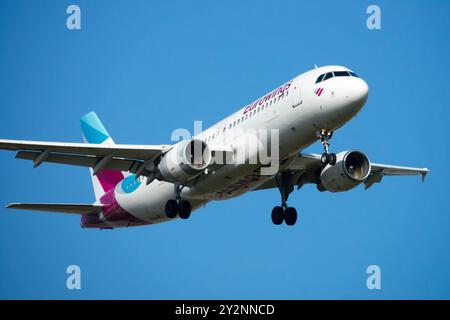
147 67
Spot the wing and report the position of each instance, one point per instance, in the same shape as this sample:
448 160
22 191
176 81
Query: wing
378 171
132 158
87 209
304 169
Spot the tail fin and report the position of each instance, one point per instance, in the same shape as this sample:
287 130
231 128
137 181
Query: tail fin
95 132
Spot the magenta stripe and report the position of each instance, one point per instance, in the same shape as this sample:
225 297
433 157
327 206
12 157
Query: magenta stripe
109 179
113 213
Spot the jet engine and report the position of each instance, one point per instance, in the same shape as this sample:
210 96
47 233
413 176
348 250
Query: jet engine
186 160
351 168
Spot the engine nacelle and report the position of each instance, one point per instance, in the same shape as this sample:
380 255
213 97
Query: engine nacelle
351 168
186 160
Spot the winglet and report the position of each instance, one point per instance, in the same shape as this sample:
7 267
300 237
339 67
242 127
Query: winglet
424 174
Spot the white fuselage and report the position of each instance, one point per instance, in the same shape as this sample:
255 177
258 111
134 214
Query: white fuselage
297 109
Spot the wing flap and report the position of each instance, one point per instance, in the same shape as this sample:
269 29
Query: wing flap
87 209
80 160
142 152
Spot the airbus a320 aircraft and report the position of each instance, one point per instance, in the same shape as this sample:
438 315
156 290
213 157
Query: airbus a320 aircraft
137 185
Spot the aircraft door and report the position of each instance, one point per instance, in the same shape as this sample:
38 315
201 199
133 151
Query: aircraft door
297 92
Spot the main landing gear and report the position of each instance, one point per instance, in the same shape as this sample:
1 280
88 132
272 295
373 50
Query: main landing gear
326 158
284 213
177 206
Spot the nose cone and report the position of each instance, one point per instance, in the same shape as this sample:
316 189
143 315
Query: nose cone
350 95
359 92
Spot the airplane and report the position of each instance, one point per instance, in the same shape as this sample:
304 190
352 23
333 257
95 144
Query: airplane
137 185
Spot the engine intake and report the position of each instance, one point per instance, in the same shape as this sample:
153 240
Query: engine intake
351 168
186 160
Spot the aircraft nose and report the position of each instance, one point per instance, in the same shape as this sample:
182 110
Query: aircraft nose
359 91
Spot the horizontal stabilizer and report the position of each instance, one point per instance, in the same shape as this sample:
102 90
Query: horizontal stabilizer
87 209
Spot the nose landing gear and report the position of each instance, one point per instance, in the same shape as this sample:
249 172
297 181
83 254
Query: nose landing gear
326 158
177 206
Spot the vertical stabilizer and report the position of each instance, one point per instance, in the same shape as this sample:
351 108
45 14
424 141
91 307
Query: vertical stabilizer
95 132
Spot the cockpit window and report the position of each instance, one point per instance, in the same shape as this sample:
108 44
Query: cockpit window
341 74
319 79
328 76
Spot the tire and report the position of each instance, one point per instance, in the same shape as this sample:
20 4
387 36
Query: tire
290 216
332 159
171 209
277 215
320 187
325 158
185 209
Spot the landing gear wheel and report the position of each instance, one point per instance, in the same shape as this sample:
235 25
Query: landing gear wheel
290 216
277 215
332 159
320 187
171 209
325 158
184 209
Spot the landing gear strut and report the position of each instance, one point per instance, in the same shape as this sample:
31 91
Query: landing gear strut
284 213
177 206
326 158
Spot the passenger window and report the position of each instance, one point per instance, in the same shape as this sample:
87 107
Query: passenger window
239 121
259 108
254 112
287 93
